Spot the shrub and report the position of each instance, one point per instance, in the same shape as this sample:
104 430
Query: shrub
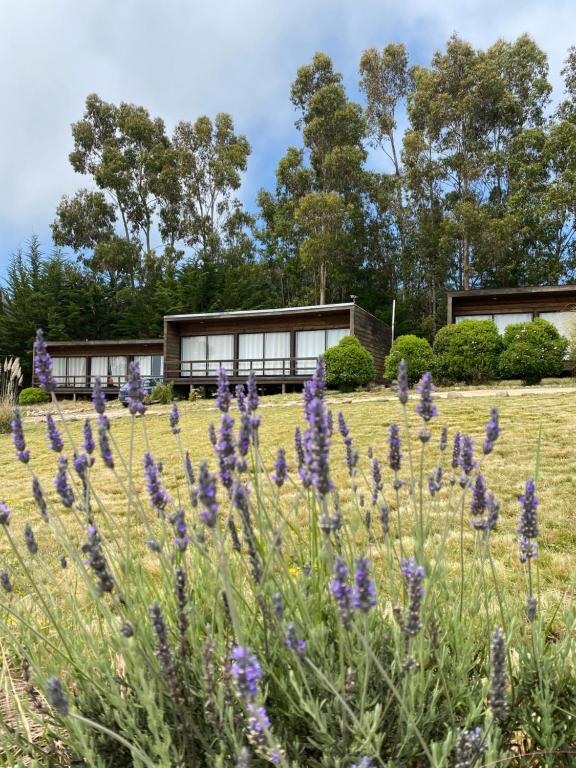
196 393
418 355
468 351
285 641
6 413
348 365
531 351
162 393
32 396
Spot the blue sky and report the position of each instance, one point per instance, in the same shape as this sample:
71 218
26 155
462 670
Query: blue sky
184 58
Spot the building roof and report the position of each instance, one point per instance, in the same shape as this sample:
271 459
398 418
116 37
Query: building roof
529 289
101 342
257 312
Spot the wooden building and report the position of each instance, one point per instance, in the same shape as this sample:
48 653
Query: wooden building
556 303
280 345
76 364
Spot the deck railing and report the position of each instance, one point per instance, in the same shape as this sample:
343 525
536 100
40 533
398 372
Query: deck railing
284 367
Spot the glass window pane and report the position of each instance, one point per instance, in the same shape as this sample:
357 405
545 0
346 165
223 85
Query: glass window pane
503 320
309 345
472 317
334 335
250 352
193 349
277 352
221 351
145 362
157 368
59 370
99 370
117 370
565 322
76 371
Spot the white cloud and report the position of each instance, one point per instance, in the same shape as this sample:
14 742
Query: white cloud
182 58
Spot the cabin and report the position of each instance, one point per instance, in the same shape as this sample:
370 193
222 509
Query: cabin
281 347
76 364
505 306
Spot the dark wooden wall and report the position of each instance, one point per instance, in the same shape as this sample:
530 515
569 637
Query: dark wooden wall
373 334
512 301
105 349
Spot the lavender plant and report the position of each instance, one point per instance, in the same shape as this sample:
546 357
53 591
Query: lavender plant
246 615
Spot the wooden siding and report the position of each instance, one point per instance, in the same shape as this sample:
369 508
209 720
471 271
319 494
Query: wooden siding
260 324
105 348
373 334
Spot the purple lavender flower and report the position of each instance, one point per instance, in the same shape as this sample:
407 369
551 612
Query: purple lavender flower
158 496
4 513
97 561
385 518
252 402
456 450
467 461
22 452
402 388
135 394
174 419
280 468
246 672
189 468
207 495
259 733
223 394
98 397
443 439
5 582
394 453
478 502
153 546
278 605
376 480
64 490
413 577
55 442
212 434
163 650
497 697
426 408
435 481
241 398
469 748
104 442
296 645
493 430
81 464
30 540
89 444
226 450
178 520
299 447
531 608
342 592
39 498
351 454
43 363
364 597
56 696
244 438
528 523
317 437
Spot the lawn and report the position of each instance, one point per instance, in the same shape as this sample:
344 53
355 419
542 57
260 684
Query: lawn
548 419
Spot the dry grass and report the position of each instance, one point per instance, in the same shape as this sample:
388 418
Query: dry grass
512 462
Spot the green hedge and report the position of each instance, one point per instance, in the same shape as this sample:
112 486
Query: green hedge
531 351
32 396
418 355
468 351
348 365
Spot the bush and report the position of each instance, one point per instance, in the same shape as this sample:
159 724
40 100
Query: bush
196 393
162 393
348 365
418 355
532 350
468 351
6 413
33 396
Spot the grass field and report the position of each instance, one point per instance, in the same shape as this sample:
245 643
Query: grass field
548 418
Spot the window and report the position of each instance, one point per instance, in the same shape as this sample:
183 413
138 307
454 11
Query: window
59 370
203 355
266 353
150 365
472 317
112 371
565 322
76 373
311 344
503 320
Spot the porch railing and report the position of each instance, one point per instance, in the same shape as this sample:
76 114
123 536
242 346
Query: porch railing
269 366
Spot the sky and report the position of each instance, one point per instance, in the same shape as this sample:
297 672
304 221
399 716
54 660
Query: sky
185 58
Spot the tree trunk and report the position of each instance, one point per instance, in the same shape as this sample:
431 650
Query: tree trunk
322 277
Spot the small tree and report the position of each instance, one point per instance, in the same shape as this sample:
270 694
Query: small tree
418 355
468 351
531 351
348 365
